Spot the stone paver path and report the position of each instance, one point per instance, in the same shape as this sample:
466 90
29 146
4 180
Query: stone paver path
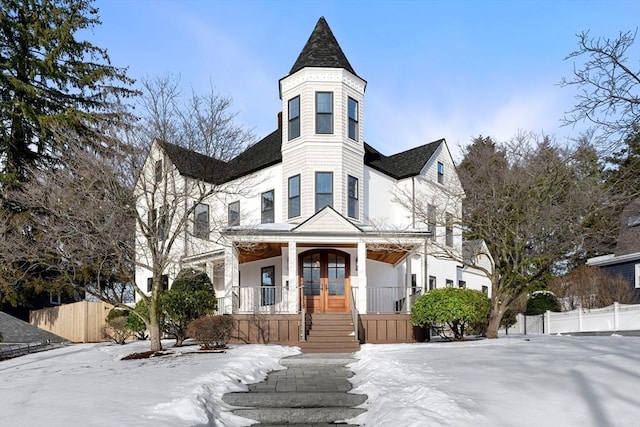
312 391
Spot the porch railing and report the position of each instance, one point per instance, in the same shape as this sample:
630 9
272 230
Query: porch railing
391 299
263 299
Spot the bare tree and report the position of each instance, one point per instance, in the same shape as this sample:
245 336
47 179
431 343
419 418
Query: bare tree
609 84
90 223
590 287
525 201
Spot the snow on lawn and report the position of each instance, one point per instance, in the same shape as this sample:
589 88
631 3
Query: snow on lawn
88 385
520 381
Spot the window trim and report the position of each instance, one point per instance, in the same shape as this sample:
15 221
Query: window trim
317 174
637 276
231 222
440 173
293 200
353 203
324 113
293 119
353 120
201 229
267 215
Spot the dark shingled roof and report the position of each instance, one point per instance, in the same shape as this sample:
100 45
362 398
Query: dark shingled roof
402 165
267 152
322 50
262 154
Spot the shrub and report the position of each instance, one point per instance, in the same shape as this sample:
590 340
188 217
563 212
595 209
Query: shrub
115 329
454 307
191 296
508 319
135 324
541 301
211 331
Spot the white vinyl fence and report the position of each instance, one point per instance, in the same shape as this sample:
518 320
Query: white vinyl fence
616 317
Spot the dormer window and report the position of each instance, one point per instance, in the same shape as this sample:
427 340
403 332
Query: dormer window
324 112
440 173
294 118
353 118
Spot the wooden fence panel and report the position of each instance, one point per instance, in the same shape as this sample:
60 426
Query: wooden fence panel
79 322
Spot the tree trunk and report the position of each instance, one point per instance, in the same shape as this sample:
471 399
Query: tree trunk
154 334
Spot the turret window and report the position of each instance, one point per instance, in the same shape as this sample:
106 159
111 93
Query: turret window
294 196
353 197
324 112
294 117
353 118
324 190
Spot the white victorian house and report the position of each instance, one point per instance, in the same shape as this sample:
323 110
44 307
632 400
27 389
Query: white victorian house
306 228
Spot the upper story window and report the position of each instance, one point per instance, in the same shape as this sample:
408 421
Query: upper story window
324 190
158 171
266 210
449 230
158 223
353 118
234 214
294 117
440 173
294 196
201 221
324 112
352 191
431 219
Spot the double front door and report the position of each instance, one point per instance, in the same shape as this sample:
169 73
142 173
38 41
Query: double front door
325 280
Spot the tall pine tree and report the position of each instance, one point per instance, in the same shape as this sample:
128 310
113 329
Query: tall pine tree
49 79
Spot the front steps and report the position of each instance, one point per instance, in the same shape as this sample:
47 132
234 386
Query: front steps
330 333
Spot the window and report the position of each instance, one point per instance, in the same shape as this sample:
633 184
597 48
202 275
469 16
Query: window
353 196
462 284
432 283
267 207
201 221
294 196
324 190
324 112
449 283
414 283
485 290
54 299
157 225
440 173
164 280
638 276
431 219
353 118
449 230
294 117
158 170
234 214
268 289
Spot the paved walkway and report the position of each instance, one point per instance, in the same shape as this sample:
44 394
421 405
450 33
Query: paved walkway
312 391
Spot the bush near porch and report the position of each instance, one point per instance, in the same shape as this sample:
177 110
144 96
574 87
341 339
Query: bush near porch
457 308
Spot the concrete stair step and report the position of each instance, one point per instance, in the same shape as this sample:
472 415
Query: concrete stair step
293 400
299 415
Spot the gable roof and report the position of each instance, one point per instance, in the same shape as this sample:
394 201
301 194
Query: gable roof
325 219
268 152
401 165
260 155
322 50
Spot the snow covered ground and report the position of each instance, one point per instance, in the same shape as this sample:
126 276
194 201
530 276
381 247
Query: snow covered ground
515 381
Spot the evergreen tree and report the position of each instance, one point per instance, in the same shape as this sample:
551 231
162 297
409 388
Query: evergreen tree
49 79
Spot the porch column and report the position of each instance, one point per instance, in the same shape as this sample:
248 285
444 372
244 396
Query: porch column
361 294
293 278
407 283
230 277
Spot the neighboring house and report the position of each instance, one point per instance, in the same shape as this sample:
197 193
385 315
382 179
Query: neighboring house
308 219
625 261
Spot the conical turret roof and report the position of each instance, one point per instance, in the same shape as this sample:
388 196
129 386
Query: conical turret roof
322 50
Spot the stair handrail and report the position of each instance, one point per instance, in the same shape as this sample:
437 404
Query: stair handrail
354 313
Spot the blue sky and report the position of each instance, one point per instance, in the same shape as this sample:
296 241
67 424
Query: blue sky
435 69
